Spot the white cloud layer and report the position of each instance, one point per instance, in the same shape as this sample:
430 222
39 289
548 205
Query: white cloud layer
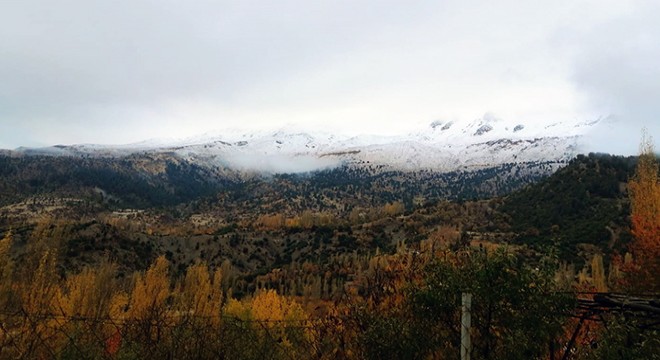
78 71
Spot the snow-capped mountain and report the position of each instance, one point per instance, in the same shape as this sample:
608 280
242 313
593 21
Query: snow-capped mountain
439 146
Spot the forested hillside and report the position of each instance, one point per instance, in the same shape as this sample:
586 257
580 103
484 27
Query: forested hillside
135 181
161 180
583 207
337 263
262 224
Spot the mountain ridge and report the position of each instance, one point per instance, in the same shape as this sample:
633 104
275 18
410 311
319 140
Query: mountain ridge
441 146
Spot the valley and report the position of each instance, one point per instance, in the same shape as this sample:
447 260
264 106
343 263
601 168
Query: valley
329 180
264 223
345 250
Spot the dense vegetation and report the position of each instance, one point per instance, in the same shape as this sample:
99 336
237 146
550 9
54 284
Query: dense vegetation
405 306
585 203
267 224
346 263
138 181
158 180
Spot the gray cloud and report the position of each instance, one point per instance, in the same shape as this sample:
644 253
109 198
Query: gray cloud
278 164
111 72
617 68
77 64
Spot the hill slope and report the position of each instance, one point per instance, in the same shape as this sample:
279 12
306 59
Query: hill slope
582 207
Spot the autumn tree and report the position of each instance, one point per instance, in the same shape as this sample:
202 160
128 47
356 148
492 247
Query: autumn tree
151 290
38 294
6 292
200 293
626 337
394 208
6 270
36 300
598 279
267 325
644 189
89 293
87 296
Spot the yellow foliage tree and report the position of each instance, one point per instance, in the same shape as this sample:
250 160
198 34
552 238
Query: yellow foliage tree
200 293
89 293
237 309
6 274
38 295
393 209
150 291
6 270
266 306
274 316
598 273
272 222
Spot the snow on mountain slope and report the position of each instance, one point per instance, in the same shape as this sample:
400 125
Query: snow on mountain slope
439 146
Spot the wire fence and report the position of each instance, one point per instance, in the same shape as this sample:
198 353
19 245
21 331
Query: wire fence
170 335
160 336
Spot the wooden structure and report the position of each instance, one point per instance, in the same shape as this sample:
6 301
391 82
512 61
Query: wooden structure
643 310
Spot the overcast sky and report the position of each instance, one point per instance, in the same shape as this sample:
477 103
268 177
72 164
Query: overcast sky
80 71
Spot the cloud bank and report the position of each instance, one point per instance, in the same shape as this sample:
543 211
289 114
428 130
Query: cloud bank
82 71
280 164
616 66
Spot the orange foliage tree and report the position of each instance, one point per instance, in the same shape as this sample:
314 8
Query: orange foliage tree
644 190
